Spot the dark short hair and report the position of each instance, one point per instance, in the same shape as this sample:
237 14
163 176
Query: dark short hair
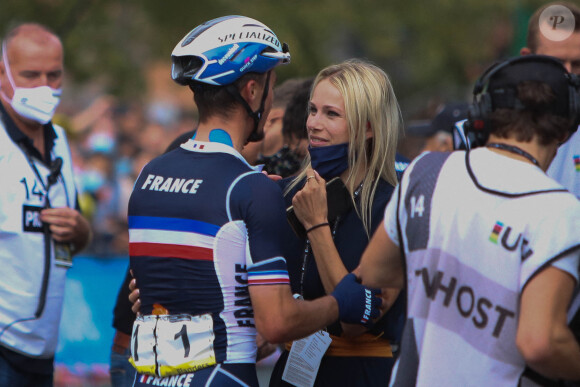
217 100
284 92
294 120
534 120
534 23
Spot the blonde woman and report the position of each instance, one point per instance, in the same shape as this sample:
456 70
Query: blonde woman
353 126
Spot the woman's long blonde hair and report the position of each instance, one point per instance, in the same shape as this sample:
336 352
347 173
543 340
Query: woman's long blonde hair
370 104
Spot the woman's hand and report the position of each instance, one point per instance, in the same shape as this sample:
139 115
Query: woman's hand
134 296
265 348
310 202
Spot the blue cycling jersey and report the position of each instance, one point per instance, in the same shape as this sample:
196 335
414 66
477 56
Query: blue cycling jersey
203 226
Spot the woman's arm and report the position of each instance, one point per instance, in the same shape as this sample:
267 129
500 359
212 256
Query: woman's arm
310 206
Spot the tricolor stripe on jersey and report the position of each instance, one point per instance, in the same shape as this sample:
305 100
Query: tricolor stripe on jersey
171 237
261 274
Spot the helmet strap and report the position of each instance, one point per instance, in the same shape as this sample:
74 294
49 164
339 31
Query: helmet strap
255 115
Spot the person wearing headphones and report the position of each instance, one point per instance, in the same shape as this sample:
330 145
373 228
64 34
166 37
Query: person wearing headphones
485 242
41 225
205 227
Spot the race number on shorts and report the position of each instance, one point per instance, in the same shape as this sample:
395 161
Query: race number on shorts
165 345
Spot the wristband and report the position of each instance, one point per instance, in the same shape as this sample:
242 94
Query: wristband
357 304
318 225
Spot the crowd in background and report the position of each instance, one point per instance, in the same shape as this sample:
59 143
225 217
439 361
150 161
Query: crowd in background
110 142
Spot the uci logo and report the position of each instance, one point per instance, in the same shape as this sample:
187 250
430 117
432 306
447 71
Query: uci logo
501 234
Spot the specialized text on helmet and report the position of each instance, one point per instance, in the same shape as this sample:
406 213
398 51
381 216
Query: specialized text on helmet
266 37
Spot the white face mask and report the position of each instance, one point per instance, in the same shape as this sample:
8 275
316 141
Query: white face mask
37 103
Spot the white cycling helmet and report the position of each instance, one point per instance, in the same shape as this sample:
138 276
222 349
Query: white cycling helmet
220 51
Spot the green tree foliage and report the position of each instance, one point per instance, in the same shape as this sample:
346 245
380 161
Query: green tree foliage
427 47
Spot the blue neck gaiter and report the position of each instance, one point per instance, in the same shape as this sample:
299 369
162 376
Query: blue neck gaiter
329 161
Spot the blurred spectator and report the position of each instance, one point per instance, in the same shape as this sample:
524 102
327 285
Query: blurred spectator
566 165
273 139
288 133
154 138
435 134
110 144
100 186
258 152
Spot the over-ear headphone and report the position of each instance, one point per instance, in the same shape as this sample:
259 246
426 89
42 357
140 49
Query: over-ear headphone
479 111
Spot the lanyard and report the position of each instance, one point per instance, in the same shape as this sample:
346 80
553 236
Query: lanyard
514 149
307 254
52 178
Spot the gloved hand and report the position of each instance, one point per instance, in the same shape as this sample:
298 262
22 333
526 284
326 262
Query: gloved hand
357 304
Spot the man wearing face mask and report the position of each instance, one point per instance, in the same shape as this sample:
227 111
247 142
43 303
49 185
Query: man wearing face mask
41 226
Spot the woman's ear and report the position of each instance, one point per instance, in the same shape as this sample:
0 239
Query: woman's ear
369 131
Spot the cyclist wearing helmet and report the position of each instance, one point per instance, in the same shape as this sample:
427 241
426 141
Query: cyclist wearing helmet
205 226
